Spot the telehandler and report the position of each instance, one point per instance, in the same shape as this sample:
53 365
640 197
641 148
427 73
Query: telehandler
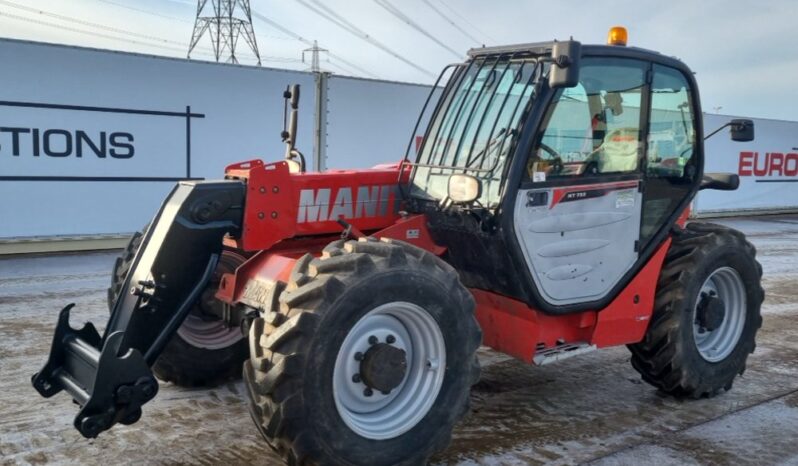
543 213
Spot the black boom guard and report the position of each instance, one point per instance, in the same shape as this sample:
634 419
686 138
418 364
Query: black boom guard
109 376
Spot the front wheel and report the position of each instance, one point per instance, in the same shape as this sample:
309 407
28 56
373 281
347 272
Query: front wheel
204 351
707 313
369 359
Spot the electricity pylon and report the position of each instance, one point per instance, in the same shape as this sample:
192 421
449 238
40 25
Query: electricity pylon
224 21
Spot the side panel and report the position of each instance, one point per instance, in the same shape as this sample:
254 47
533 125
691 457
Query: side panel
578 241
282 205
512 327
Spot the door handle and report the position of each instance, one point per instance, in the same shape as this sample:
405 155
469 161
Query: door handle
537 198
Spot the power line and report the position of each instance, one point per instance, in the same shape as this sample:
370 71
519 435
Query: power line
298 37
291 36
148 12
352 65
87 23
409 21
205 51
473 26
163 43
452 22
180 50
343 68
174 18
83 31
183 2
329 14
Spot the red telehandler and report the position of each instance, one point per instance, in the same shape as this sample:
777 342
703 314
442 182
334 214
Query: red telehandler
544 215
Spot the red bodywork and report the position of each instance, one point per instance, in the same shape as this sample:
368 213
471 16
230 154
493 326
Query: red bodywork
282 224
277 209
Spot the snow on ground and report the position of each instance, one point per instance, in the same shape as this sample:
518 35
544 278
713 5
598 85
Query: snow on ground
591 409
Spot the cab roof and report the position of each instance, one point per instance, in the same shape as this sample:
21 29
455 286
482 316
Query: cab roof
544 48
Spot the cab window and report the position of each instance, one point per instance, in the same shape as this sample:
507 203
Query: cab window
671 137
593 128
671 161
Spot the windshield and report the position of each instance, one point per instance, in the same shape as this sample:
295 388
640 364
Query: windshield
474 126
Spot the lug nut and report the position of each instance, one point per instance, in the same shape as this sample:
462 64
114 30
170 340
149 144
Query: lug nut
390 339
367 392
356 378
373 340
385 393
358 356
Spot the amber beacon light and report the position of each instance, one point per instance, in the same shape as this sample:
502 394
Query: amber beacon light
617 36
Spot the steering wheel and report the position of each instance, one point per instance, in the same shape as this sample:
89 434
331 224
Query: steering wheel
556 160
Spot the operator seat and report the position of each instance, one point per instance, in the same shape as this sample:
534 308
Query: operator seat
619 151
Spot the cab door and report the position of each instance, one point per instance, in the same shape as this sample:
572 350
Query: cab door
578 213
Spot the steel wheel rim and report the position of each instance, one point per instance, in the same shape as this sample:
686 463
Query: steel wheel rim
717 344
208 334
200 329
381 416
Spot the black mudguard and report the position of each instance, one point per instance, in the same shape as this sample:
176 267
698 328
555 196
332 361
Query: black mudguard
109 376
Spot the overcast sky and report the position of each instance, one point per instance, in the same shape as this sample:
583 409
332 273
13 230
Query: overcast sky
745 53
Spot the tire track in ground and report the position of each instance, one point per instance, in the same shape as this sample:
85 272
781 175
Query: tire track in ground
567 423
571 412
772 424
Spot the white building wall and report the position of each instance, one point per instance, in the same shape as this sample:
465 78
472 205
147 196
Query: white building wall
768 167
371 122
236 114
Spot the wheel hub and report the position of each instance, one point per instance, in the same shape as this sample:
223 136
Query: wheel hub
383 367
389 370
720 314
711 311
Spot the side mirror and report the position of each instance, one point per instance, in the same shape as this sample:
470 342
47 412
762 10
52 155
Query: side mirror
464 189
742 130
720 181
565 58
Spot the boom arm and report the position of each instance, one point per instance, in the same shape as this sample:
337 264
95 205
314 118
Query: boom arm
109 377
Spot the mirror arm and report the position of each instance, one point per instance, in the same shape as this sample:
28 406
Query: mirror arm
717 131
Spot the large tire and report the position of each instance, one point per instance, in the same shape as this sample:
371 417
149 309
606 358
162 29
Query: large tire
184 361
678 354
296 353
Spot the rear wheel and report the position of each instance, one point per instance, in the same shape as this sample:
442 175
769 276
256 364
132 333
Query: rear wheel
368 360
205 351
707 313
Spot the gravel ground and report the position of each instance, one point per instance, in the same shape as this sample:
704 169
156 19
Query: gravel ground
590 409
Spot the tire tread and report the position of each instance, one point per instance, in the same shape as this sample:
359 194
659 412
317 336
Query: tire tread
273 374
659 356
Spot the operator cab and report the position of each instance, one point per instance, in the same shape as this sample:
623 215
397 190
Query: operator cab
553 171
